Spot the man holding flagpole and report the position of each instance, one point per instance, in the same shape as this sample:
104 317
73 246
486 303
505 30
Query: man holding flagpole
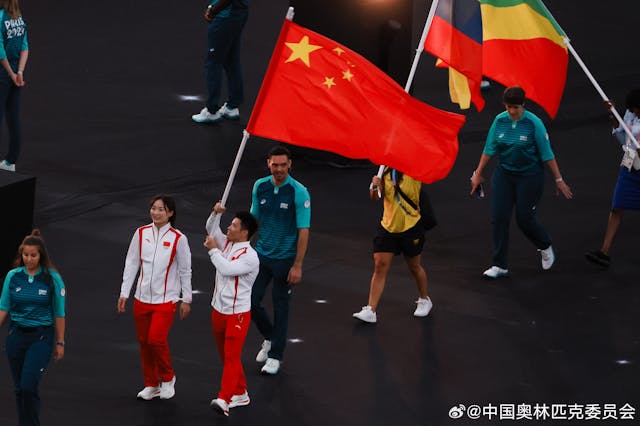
282 206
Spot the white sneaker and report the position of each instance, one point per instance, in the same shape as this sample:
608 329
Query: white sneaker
495 272
229 113
366 314
5 165
263 353
548 257
149 392
220 406
205 116
271 366
167 389
423 308
240 400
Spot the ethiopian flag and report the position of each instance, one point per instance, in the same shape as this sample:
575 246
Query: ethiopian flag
523 45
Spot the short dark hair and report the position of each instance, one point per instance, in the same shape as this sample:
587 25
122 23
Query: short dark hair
513 95
248 222
169 204
279 150
633 99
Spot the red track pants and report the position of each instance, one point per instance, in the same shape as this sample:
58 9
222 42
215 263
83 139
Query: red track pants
153 322
230 332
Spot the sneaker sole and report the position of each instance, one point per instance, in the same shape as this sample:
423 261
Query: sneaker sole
231 117
242 403
141 398
489 277
206 121
366 321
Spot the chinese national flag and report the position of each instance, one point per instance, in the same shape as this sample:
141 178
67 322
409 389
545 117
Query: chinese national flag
319 94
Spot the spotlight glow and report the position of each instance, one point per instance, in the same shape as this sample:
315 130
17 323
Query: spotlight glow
190 98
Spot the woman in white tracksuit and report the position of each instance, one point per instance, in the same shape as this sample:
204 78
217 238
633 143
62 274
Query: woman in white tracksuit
162 256
237 267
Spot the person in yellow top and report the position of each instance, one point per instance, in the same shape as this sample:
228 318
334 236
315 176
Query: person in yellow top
400 231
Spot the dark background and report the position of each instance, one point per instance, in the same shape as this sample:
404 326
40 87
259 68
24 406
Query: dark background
105 128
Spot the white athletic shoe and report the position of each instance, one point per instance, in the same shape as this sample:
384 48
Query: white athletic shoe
366 314
548 257
167 389
423 308
149 393
495 272
229 113
263 353
205 116
240 400
220 406
5 165
271 366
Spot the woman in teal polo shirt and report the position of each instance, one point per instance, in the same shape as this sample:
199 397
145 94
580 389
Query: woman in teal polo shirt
33 298
521 142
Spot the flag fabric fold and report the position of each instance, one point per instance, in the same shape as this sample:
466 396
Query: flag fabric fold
455 38
523 45
514 42
320 94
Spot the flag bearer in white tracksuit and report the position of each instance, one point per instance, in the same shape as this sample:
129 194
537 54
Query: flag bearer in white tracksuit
237 267
162 256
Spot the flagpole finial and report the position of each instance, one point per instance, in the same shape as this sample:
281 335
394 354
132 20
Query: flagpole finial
290 14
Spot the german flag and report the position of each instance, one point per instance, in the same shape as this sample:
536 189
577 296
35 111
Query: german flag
523 45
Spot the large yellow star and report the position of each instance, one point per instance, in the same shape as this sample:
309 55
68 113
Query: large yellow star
346 75
301 50
328 81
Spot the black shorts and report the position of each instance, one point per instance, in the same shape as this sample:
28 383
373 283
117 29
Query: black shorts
410 242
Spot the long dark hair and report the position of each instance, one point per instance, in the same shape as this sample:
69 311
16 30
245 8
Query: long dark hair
169 205
34 239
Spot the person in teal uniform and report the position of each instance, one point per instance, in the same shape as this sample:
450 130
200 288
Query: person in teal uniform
33 298
282 206
226 19
14 51
521 142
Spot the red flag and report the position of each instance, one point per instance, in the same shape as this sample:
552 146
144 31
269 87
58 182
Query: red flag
320 94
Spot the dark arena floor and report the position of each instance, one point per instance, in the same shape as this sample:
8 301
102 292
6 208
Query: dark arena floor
107 123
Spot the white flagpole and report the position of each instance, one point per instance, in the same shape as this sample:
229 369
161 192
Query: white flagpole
213 221
414 66
604 97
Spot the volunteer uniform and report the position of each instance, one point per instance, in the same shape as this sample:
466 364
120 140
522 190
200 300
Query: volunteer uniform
32 301
163 258
281 211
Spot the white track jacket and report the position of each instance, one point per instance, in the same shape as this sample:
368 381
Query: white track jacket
237 267
163 258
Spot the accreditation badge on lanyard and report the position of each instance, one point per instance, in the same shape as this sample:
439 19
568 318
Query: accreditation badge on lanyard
630 158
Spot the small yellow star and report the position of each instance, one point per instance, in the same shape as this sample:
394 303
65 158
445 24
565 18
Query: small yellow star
339 51
301 50
346 75
328 81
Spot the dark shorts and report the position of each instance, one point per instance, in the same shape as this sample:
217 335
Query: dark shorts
410 242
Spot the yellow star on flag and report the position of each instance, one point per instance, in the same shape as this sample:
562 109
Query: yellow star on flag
339 51
301 50
328 81
346 75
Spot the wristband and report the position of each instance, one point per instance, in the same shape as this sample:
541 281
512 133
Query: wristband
19 72
60 343
558 180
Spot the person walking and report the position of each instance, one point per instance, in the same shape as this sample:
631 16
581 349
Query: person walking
33 297
401 231
237 266
282 206
161 254
521 142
